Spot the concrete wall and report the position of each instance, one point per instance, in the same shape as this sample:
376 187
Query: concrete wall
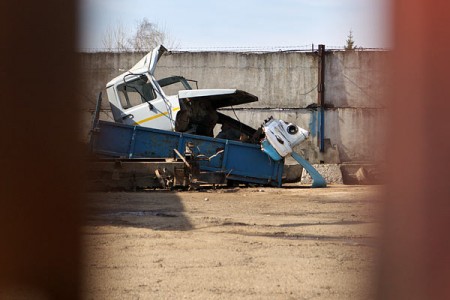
280 80
356 79
286 84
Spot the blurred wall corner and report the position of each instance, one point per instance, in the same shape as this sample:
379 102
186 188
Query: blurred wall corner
40 202
416 250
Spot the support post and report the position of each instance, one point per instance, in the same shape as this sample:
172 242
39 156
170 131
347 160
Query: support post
321 98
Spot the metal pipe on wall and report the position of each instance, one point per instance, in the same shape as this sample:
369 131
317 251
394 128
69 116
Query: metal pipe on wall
321 98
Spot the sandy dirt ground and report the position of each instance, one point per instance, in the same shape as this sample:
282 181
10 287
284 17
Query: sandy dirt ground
240 243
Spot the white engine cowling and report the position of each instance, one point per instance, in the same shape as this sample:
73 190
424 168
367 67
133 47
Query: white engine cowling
283 136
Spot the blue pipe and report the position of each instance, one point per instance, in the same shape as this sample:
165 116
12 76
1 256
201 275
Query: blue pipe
322 129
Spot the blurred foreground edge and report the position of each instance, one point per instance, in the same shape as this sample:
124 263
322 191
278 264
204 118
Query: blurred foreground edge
415 262
40 157
40 175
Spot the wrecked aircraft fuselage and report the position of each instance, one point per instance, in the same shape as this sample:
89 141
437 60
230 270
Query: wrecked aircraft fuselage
137 98
167 118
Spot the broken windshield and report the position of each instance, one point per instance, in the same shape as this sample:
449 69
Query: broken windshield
135 92
172 85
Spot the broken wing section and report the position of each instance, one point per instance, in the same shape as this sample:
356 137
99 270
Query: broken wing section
148 62
198 112
218 97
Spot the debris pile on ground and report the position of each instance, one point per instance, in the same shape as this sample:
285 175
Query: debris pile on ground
331 173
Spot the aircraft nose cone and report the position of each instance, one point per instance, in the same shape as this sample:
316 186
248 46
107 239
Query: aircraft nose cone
304 132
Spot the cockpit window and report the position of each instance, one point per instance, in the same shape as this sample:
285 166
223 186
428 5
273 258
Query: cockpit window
171 85
135 92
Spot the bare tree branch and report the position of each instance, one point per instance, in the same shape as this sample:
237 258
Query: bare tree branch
146 36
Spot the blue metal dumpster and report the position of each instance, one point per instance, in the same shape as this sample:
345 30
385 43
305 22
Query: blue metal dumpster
235 160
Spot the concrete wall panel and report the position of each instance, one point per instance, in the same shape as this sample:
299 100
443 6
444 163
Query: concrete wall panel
356 79
358 133
279 79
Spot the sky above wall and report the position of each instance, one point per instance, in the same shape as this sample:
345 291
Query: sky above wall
243 23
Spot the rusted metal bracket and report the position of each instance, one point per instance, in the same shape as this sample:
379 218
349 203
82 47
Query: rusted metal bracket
182 158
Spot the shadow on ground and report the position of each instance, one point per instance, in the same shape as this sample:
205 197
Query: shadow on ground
153 210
